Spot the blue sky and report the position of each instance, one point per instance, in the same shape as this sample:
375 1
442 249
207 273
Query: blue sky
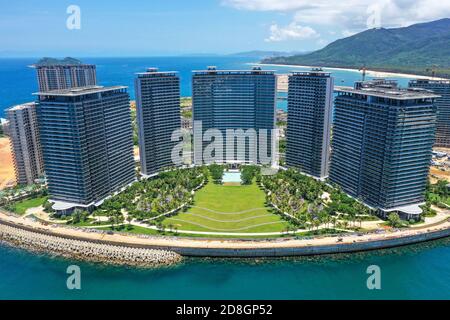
173 27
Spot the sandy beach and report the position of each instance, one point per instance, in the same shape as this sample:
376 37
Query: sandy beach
7 176
372 73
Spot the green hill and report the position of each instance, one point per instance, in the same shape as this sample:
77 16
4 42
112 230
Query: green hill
410 49
46 61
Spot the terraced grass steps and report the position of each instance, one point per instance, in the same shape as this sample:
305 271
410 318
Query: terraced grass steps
223 208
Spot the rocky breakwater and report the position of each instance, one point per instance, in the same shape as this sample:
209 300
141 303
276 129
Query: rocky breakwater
86 250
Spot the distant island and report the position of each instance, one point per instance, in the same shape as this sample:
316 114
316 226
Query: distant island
46 61
422 48
262 54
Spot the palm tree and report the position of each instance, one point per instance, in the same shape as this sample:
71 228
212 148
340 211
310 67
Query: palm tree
359 219
129 219
112 221
317 223
334 221
344 224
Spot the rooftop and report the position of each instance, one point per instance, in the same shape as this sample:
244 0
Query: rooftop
21 106
312 72
154 71
432 81
386 89
213 70
411 209
73 92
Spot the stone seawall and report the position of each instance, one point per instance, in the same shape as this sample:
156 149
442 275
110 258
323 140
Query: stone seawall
281 251
86 250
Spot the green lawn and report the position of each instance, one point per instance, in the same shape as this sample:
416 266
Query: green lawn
219 208
21 207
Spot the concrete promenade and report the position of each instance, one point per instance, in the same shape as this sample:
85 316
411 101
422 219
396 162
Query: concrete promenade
240 248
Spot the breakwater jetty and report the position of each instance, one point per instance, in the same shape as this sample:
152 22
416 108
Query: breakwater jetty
86 250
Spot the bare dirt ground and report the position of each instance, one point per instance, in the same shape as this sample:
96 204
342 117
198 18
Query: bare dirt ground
437 174
441 172
7 176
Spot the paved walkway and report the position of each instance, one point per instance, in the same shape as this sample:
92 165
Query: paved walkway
234 244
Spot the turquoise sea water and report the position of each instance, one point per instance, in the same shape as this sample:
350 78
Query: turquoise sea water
18 81
421 271
413 272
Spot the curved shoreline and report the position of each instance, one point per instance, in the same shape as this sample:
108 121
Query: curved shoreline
173 247
376 73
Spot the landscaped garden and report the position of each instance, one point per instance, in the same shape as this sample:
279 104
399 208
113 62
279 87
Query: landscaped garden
216 201
311 204
20 207
438 193
20 198
151 198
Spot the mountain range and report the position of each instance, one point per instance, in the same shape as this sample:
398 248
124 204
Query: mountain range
420 48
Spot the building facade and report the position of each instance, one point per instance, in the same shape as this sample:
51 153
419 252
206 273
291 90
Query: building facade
158 116
25 143
65 76
308 132
239 101
442 88
87 144
382 143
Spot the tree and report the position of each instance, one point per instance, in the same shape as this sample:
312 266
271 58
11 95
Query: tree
334 221
394 220
344 224
248 173
216 172
359 219
48 206
76 216
112 221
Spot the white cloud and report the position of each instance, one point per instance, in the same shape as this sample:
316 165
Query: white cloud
351 14
292 31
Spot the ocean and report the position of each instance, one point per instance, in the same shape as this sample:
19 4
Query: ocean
413 272
18 80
